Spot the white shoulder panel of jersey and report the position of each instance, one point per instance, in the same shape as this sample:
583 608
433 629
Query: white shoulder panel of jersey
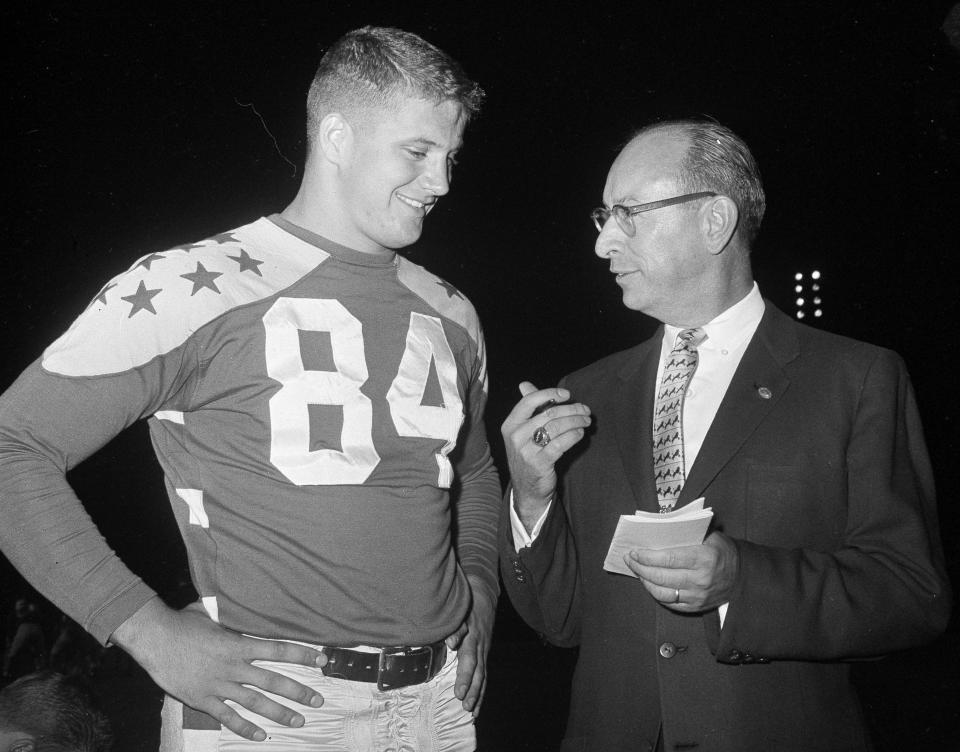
443 297
157 304
449 302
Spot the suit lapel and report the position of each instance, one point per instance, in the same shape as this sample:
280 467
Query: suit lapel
633 420
758 384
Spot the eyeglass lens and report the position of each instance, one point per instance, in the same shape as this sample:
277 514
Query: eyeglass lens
620 214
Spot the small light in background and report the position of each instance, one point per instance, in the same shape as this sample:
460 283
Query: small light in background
815 301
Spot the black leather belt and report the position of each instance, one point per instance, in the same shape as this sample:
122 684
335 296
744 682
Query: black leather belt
390 668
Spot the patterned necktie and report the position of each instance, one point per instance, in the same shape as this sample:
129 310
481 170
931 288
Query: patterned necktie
668 466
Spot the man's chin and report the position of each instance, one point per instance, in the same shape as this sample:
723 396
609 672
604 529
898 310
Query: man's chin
633 301
402 238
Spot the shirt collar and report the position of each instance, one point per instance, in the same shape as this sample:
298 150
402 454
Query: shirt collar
731 328
342 252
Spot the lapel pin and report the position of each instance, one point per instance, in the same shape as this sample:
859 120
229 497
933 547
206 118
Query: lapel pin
764 392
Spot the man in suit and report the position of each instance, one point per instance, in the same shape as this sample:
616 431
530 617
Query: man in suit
824 545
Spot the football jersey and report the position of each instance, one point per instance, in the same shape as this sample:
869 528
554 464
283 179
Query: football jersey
305 402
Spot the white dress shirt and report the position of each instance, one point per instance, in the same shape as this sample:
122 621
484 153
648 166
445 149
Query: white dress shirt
719 355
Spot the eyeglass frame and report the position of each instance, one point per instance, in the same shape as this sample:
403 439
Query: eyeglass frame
624 216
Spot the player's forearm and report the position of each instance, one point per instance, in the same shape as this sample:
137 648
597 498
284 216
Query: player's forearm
44 529
476 513
48 424
51 540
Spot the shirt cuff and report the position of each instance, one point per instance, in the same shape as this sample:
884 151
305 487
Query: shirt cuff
722 610
521 538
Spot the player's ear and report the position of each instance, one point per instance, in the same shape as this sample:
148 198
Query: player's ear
335 138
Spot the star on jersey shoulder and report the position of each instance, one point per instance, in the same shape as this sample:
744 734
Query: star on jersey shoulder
247 263
186 248
201 279
148 310
147 260
450 289
141 300
102 295
224 238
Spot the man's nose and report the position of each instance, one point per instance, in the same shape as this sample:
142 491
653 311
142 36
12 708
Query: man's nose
436 178
604 245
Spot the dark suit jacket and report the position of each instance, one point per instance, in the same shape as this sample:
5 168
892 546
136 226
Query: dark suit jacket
823 481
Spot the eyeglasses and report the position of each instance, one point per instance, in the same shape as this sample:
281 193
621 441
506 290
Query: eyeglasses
624 214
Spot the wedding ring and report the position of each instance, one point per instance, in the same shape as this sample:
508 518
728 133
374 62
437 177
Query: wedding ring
541 437
677 599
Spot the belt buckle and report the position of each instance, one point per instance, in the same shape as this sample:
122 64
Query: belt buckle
384 676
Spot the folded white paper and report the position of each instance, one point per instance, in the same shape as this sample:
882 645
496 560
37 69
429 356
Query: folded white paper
681 527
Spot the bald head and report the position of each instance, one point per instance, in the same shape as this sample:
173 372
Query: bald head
656 156
716 159
682 263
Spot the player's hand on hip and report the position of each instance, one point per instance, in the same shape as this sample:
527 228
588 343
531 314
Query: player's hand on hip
203 665
539 429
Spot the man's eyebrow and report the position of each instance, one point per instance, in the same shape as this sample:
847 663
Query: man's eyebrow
425 141
421 140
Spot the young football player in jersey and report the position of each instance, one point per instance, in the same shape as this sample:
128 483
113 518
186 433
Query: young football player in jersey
305 388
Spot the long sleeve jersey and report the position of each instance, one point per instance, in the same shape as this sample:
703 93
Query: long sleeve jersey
310 406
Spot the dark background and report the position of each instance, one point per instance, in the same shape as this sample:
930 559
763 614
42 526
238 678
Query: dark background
133 128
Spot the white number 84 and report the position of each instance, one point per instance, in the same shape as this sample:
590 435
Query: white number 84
290 449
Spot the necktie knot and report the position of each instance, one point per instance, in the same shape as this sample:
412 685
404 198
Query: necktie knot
690 339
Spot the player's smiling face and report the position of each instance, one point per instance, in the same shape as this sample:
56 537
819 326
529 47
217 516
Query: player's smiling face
400 165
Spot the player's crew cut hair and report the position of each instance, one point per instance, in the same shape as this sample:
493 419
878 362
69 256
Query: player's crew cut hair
374 66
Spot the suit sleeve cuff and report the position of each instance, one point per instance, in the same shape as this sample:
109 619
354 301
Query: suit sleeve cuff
521 538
